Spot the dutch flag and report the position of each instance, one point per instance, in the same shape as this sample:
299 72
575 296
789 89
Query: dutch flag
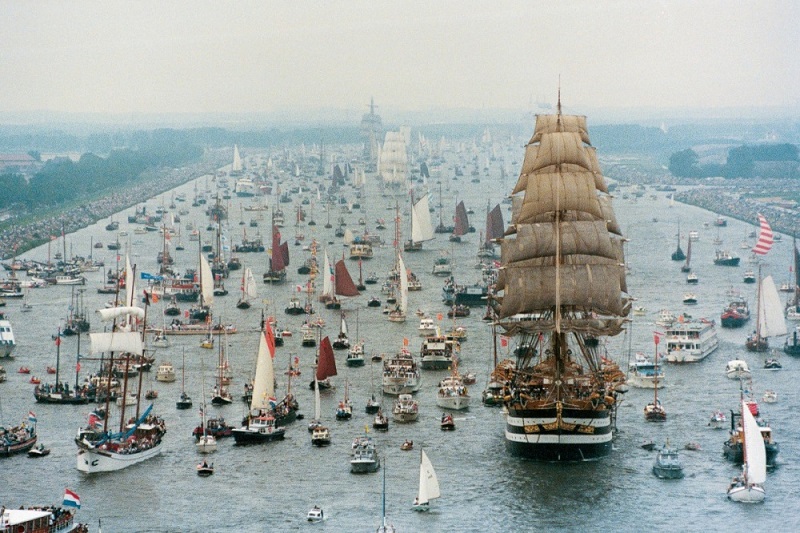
31 417
71 499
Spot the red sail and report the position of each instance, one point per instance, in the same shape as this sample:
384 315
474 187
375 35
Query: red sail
285 253
326 366
462 222
278 262
494 224
344 283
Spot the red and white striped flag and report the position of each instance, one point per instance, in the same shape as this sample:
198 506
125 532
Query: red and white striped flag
764 242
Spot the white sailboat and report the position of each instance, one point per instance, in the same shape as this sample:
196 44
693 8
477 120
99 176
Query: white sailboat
249 290
770 321
421 226
393 162
206 443
428 484
750 487
398 314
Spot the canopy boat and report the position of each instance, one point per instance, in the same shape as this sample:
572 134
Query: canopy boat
428 484
561 286
315 514
749 488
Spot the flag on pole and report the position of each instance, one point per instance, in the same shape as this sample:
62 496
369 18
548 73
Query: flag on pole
71 499
657 336
503 341
31 417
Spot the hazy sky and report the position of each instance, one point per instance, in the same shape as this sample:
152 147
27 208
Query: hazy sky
220 56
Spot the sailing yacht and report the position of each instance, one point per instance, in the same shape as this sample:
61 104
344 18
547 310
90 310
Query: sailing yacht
421 226
428 484
561 287
749 488
249 290
770 321
398 314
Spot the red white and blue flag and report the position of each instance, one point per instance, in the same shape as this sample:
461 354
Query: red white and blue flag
31 417
764 242
71 499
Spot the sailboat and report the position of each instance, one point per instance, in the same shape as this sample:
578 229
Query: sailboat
461 226
185 401
398 314
342 342
279 257
344 411
421 226
686 268
261 424
654 411
206 443
355 355
393 163
221 395
793 305
770 321
326 366
384 527
678 254
562 286
249 290
58 392
428 484
138 439
749 488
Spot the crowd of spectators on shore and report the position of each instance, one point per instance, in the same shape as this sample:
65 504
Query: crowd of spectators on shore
18 238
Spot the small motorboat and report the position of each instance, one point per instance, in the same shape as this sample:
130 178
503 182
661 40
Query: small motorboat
648 445
151 394
35 381
693 446
373 302
469 378
315 514
407 445
204 469
772 363
770 396
718 420
38 451
24 370
668 464
447 423
51 370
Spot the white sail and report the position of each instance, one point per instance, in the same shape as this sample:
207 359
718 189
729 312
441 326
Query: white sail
421 227
206 282
236 166
428 483
343 328
327 280
264 381
117 312
755 452
403 285
771 312
348 237
393 159
117 341
129 282
250 283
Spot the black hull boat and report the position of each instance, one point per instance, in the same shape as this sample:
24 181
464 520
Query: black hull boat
577 435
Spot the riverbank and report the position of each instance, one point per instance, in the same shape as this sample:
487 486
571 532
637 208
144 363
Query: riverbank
19 235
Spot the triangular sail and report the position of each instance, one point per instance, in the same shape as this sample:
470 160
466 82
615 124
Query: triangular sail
327 277
771 319
206 282
755 453
250 287
326 365
461 220
344 282
343 326
129 282
428 482
421 226
494 224
765 238
277 257
236 166
401 266
264 379
285 253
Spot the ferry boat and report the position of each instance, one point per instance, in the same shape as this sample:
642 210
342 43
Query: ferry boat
644 374
400 374
40 519
690 341
7 341
436 352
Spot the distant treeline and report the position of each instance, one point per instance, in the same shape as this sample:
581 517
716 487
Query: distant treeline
61 180
747 161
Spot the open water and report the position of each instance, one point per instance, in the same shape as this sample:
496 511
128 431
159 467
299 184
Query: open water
271 487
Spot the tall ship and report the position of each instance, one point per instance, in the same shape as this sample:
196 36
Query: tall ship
393 163
561 287
138 438
690 341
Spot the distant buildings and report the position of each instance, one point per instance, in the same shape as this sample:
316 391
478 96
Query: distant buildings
17 163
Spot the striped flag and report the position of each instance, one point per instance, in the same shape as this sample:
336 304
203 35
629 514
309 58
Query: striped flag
71 499
31 417
764 242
